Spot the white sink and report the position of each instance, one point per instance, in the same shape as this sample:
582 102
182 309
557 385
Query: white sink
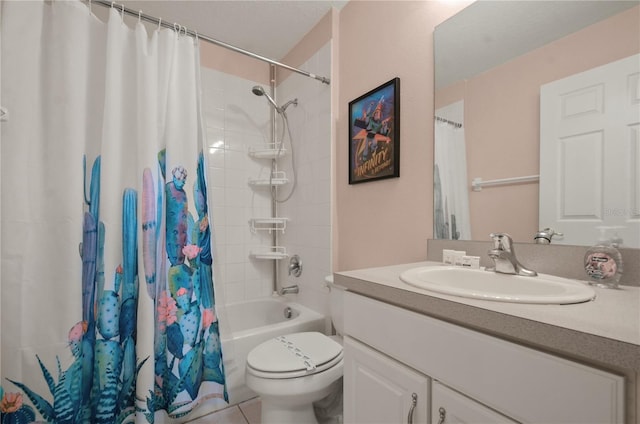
489 285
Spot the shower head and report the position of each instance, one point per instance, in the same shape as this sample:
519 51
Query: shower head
259 91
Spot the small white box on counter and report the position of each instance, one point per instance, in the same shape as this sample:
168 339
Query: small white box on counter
472 262
453 257
448 256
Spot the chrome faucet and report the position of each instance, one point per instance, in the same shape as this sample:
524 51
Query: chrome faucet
289 290
504 256
545 236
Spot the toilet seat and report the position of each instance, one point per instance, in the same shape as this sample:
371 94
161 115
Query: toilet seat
294 355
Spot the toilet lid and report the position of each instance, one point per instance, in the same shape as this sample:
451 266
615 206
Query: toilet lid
296 352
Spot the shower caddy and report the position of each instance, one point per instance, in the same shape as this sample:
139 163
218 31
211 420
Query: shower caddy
270 224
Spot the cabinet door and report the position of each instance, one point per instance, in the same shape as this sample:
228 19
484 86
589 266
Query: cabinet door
378 389
451 407
503 375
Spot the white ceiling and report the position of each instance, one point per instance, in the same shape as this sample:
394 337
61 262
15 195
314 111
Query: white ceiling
488 33
269 28
481 36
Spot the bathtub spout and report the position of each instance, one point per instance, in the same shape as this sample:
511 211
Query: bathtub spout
289 289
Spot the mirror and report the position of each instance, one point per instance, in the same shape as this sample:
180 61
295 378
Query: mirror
491 60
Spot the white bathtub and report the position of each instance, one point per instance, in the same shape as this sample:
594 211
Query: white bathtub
249 323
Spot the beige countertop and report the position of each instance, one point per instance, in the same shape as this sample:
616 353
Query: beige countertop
605 331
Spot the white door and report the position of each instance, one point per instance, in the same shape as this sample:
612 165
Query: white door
451 407
378 389
590 153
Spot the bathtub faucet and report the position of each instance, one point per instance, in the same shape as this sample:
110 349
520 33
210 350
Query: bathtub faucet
290 289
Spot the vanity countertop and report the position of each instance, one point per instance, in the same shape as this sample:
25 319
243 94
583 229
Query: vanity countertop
605 331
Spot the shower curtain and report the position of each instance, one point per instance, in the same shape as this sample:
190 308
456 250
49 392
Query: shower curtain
451 198
107 300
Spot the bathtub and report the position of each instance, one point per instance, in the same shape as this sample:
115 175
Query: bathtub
244 325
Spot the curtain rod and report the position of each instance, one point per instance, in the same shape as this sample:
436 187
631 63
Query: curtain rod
187 31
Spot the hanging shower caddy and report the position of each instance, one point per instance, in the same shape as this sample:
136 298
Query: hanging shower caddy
278 178
271 151
268 151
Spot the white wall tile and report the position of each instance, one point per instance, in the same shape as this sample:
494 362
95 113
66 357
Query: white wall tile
235 159
215 118
215 137
218 214
235 254
236 215
234 273
236 234
215 177
237 120
216 157
234 292
217 196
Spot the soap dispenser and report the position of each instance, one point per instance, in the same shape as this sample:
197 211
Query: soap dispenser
603 262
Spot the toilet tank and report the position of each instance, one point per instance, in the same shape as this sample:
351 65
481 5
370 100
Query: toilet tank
336 304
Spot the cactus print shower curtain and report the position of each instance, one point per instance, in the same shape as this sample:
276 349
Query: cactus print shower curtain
107 301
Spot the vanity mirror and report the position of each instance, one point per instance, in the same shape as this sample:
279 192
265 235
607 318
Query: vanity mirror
491 61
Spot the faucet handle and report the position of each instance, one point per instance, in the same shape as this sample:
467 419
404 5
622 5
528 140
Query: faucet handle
501 241
295 266
545 236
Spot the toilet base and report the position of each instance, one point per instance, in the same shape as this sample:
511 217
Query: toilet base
274 414
288 398
284 410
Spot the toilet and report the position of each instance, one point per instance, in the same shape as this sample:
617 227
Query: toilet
293 371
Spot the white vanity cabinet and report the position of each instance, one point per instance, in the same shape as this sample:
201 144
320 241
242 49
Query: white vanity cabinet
381 390
451 407
473 376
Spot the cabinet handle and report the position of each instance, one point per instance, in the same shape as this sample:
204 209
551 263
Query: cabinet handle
443 415
414 402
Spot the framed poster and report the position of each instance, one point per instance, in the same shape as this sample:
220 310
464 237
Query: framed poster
374 130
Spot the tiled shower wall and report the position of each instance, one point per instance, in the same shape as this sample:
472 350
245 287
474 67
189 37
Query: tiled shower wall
236 120
309 231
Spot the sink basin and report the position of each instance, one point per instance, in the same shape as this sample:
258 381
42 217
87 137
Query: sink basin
489 285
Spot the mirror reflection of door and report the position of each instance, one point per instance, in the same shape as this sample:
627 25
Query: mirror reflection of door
451 191
495 56
590 154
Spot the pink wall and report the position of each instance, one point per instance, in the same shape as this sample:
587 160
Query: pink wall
502 119
313 41
387 221
221 59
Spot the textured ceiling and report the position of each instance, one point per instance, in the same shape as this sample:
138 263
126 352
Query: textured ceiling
481 36
267 28
489 33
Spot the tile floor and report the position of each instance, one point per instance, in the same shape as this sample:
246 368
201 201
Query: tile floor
247 412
